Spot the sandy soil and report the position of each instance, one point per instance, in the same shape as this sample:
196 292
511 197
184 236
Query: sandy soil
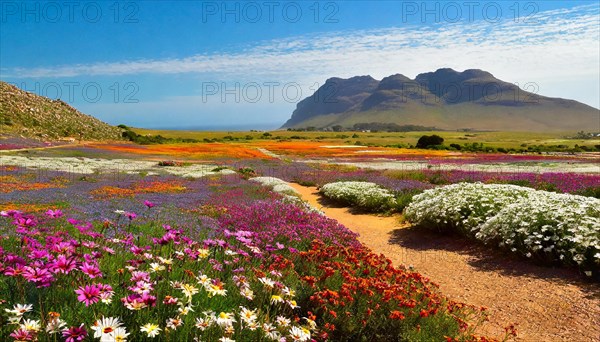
548 304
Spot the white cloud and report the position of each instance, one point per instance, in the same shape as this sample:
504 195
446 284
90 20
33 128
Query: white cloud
562 45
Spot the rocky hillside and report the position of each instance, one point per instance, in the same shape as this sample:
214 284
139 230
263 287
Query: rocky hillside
29 115
446 99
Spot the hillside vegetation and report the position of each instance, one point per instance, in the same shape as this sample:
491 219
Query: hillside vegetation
30 115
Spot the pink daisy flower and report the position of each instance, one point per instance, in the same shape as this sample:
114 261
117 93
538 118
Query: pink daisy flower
89 294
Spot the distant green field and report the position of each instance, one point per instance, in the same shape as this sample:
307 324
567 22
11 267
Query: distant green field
493 139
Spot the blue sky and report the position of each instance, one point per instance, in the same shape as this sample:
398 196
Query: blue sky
245 64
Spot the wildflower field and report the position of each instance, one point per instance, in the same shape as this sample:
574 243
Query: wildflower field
184 249
214 258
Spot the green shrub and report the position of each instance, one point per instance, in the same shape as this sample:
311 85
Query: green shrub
427 141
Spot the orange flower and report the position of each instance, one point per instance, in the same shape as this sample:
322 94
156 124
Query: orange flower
397 315
189 151
11 183
27 207
141 187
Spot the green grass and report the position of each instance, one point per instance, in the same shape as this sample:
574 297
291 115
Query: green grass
491 139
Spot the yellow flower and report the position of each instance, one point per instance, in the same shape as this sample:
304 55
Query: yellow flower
165 261
225 319
189 290
203 253
151 329
216 289
203 279
248 316
276 299
156 267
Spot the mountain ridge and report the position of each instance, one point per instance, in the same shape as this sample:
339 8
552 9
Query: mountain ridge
445 98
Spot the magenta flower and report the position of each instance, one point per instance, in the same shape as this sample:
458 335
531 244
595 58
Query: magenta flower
10 213
23 335
106 291
75 334
54 213
14 271
137 302
89 244
38 254
84 228
140 276
89 294
25 221
244 240
40 276
91 270
130 215
108 250
63 264
149 204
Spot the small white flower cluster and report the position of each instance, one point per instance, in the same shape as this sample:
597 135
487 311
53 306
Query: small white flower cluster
276 184
290 195
551 225
362 194
99 165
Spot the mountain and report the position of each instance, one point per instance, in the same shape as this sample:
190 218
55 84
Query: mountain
30 115
445 99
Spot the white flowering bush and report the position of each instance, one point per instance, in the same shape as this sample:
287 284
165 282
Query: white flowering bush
462 206
365 195
550 226
276 184
547 225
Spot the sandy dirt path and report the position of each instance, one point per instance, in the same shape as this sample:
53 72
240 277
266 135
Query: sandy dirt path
549 304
